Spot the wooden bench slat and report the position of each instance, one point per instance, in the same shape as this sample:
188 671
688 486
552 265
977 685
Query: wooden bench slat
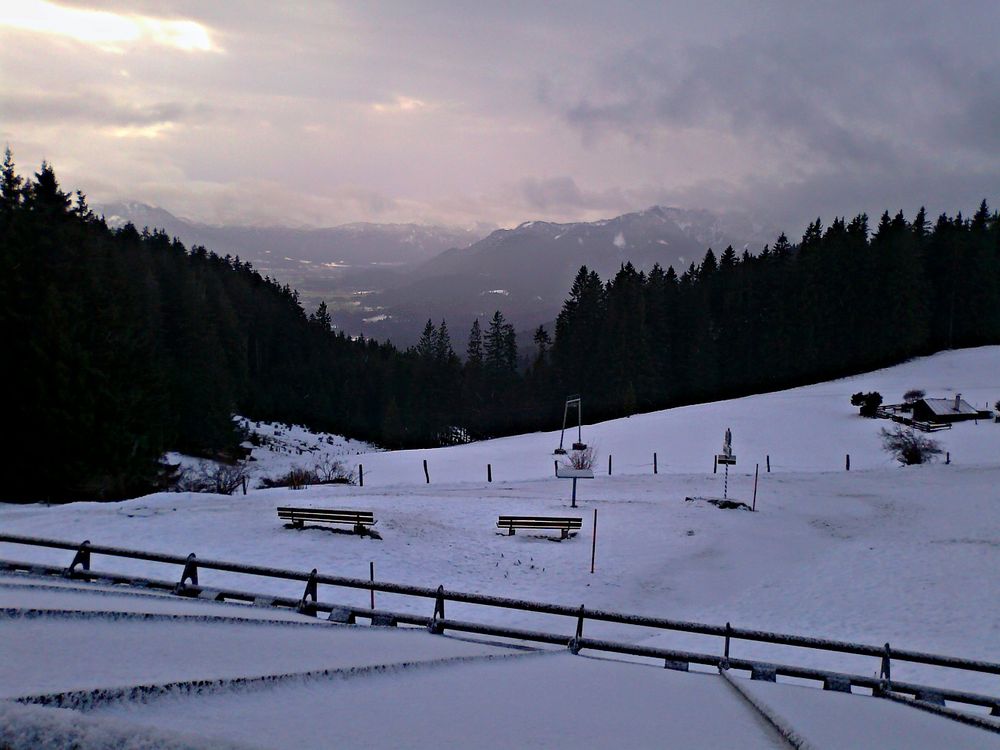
324 515
541 518
563 524
358 518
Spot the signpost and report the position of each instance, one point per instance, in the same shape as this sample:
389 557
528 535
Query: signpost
727 458
566 472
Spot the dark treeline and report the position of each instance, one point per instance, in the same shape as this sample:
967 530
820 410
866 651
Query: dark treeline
124 344
846 299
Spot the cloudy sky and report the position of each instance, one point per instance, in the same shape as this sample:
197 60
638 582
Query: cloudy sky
321 113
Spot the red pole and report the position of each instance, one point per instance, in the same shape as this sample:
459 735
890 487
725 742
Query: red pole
593 544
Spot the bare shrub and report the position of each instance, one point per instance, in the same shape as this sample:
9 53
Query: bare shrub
909 447
332 471
913 395
582 459
220 479
296 478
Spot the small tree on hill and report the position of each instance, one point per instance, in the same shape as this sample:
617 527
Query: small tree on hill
869 402
909 447
911 397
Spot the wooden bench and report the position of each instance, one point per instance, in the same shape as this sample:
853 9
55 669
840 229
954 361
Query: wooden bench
565 525
359 519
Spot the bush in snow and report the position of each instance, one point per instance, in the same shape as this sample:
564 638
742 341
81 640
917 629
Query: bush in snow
869 402
331 471
296 478
221 479
909 447
582 459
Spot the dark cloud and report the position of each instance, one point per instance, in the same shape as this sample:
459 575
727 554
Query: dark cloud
783 109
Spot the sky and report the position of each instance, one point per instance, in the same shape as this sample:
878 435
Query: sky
466 113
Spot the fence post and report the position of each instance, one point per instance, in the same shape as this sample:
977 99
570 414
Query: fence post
81 558
190 572
593 546
885 672
756 472
371 577
244 482
427 475
574 643
768 463
729 631
361 475
305 606
654 462
848 462
609 464
435 625
489 472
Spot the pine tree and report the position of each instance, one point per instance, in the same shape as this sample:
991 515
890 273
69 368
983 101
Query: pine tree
443 353
474 350
427 344
11 186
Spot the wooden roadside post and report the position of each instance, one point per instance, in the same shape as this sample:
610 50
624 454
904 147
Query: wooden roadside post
361 475
768 463
593 544
848 462
756 472
654 462
427 475
371 577
489 472
609 464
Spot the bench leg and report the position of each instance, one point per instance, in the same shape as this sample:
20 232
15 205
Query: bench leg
298 524
510 531
359 529
565 534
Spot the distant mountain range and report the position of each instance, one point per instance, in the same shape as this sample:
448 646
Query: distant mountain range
348 245
386 280
526 272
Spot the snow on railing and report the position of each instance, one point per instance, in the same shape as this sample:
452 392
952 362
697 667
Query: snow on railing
310 604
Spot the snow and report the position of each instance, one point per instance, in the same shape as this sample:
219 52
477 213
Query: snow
91 653
880 553
820 716
619 241
549 700
35 728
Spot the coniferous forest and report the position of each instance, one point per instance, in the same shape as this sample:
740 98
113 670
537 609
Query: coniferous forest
121 345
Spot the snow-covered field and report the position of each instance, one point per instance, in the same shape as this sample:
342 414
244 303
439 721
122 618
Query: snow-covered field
881 553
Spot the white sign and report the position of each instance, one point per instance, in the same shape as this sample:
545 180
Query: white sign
566 472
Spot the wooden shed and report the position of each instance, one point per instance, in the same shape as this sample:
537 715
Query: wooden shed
947 410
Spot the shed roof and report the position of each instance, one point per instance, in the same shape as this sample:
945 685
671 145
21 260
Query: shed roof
946 406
